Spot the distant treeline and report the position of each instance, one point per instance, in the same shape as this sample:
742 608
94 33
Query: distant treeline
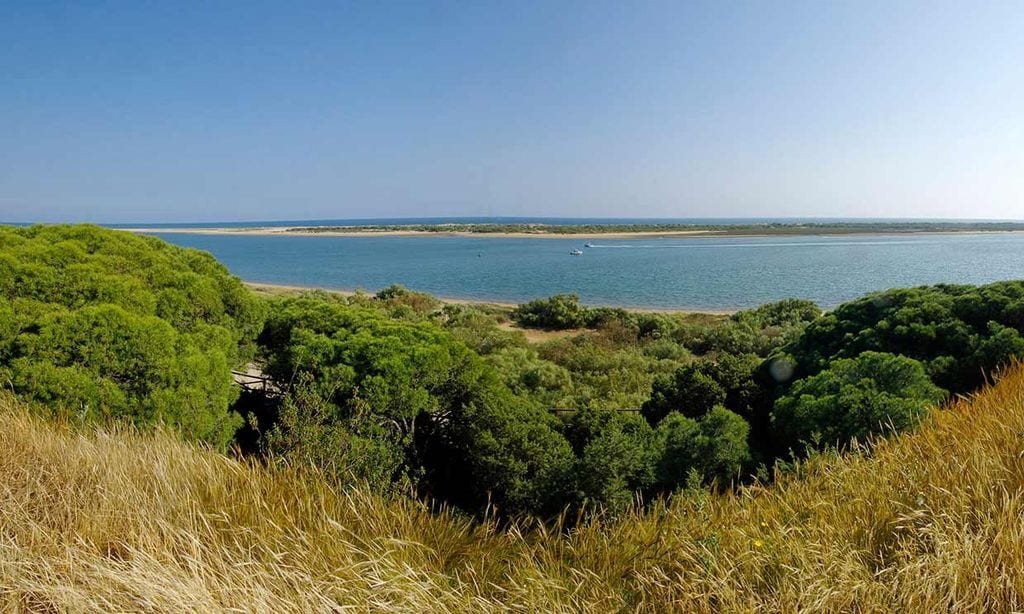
773 228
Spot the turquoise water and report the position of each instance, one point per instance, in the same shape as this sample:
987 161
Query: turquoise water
698 273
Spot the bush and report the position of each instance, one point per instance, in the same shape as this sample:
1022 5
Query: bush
105 325
787 312
602 377
713 447
562 311
959 332
400 299
616 456
496 450
689 391
355 453
527 375
433 411
874 393
478 329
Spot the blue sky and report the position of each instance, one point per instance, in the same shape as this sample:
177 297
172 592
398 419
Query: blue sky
208 111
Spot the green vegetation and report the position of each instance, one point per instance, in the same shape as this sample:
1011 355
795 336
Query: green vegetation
558 312
926 521
402 394
960 333
105 325
604 460
647 404
412 405
855 398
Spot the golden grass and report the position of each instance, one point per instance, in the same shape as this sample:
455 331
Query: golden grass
930 521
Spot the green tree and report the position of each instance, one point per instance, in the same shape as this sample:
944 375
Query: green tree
498 450
106 325
874 393
307 431
616 456
787 312
410 386
946 327
690 391
714 447
558 312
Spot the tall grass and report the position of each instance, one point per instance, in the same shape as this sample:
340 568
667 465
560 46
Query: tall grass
114 521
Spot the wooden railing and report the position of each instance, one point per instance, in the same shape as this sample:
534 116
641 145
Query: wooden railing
260 384
569 410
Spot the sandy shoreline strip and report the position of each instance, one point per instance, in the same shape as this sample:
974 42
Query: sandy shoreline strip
284 289
296 231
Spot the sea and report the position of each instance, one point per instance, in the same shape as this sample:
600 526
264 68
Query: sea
705 273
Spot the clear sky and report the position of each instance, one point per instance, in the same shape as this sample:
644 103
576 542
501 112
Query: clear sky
207 111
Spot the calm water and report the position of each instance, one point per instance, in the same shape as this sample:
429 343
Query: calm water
705 273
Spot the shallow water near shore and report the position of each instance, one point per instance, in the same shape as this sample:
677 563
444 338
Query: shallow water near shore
692 273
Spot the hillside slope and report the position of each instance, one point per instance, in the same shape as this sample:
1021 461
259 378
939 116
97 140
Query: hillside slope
931 521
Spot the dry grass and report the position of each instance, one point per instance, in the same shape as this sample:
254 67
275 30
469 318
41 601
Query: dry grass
932 521
538 335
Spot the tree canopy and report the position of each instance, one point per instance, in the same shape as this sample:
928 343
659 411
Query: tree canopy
441 415
854 398
101 324
958 332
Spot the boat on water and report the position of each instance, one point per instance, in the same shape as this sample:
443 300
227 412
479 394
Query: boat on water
588 245
576 252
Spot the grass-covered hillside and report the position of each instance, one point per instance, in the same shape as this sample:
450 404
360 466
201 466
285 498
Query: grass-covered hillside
117 521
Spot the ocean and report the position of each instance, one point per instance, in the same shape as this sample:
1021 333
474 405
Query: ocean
689 273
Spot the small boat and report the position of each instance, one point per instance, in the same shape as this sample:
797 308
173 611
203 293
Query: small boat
576 252
588 245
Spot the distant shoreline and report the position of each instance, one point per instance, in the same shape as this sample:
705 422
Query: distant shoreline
285 290
612 231
299 232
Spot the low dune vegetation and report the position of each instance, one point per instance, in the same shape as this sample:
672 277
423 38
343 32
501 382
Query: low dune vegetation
632 461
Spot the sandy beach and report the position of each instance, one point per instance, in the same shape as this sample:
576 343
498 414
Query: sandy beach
299 232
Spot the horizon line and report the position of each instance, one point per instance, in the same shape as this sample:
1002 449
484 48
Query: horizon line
526 219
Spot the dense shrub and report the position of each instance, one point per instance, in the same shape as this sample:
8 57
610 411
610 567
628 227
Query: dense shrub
695 388
960 333
787 312
435 411
401 300
525 373
104 325
713 448
874 393
477 328
616 457
690 391
558 312
306 432
605 377
500 451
